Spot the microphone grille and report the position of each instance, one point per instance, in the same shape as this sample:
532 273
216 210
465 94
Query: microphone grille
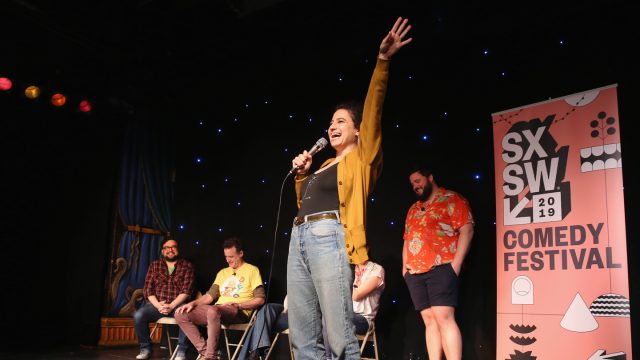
321 143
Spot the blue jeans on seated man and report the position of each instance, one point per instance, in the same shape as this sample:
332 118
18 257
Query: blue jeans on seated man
319 281
147 314
269 319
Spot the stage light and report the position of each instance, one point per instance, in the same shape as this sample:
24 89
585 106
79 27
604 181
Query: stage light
85 106
5 84
32 92
58 99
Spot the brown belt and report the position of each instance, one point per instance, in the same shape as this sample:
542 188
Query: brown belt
310 218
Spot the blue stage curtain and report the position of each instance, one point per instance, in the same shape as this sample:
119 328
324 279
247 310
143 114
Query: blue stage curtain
144 205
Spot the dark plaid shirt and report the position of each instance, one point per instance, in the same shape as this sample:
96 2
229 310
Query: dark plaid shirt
167 287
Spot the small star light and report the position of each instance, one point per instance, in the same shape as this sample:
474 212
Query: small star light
267 251
181 227
286 150
397 126
203 186
561 42
238 203
263 181
392 222
425 138
220 229
246 105
261 226
197 242
235 119
485 52
476 177
219 130
503 74
477 130
339 78
410 77
286 233
310 119
266 102
445 113
290 116
372 199
199 160
201 123
226 180
394 301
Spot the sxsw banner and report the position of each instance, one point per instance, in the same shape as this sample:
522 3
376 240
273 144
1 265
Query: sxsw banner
562 276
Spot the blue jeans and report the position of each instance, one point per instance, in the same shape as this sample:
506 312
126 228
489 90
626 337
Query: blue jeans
269 319
361 324
319 287
141 319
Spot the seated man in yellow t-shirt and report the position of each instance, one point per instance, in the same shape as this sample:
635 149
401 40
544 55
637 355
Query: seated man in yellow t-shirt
237 291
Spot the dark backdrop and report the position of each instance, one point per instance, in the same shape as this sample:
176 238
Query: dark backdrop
244 86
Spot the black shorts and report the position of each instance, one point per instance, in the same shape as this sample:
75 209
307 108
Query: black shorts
436 287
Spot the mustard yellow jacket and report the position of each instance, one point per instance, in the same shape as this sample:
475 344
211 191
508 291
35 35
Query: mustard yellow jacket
359 170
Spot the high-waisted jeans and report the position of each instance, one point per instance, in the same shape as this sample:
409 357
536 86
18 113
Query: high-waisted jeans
319 286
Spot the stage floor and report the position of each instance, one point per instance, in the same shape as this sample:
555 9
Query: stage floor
85 352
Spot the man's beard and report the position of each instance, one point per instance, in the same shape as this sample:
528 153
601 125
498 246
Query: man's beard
166 258
426 192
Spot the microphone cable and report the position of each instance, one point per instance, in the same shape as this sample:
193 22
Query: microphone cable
273 256
275 237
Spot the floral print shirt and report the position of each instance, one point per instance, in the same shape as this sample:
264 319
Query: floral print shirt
432 230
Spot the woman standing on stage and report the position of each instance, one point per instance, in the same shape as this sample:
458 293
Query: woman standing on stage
329 229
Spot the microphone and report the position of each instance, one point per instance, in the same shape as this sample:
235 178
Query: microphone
319 145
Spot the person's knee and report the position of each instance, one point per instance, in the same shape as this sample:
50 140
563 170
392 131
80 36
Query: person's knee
181 317
139 316
428 317
213 313
445 318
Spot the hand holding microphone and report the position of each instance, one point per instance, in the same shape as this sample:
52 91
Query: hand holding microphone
302 163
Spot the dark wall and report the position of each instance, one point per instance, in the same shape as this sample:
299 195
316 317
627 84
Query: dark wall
59 171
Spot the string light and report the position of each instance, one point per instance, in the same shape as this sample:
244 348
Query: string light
58 99
5 84
85 106
32 92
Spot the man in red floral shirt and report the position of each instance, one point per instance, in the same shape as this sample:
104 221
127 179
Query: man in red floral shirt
438 232
168 284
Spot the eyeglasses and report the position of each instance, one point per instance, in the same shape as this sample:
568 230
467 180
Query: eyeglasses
169 247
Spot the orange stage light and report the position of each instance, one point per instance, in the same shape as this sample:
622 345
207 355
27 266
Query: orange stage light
32 92
58 99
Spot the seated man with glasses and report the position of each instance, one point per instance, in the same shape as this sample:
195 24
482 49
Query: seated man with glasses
168 284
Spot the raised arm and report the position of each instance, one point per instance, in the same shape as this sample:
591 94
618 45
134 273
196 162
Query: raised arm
370 141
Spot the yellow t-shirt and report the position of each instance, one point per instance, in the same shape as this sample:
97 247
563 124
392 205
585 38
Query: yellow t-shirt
237 285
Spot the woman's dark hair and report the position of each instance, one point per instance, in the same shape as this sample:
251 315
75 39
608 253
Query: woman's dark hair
355 110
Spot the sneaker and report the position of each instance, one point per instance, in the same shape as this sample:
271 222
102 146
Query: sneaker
180 355
144 354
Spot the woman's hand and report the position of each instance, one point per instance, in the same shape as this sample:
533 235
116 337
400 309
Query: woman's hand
393 41
302 162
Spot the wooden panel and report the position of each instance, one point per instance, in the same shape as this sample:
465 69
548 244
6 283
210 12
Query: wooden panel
119 331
